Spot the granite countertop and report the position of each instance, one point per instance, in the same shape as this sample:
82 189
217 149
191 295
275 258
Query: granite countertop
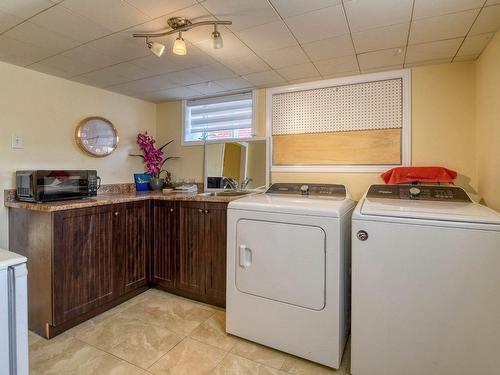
118 197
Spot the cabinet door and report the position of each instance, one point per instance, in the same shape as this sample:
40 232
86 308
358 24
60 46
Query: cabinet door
164 237
190 261
131 241
83 265
215 253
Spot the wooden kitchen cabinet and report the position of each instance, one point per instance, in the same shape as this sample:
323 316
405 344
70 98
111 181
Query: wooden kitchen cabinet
84 261
131 240
202 251
164 243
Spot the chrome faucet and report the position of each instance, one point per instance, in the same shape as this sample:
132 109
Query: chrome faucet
245 182
231 182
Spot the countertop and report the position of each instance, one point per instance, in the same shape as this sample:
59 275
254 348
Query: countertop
114 198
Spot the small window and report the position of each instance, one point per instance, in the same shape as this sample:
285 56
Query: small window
221 118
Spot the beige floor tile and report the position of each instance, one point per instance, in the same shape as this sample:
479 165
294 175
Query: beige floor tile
299 366
133 340
67 355
189 357
236 365
178 315
259 353
213 332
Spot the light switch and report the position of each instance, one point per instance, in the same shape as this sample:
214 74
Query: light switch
17 141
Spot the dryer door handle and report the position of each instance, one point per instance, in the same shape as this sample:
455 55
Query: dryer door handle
245 256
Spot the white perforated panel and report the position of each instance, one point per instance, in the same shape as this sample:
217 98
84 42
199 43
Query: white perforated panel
360 106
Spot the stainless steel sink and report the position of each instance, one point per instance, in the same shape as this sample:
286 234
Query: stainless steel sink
224 193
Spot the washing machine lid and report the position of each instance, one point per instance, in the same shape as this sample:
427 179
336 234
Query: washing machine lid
294 204
430 202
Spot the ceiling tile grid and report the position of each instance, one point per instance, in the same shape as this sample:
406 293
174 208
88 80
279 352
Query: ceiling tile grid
271 42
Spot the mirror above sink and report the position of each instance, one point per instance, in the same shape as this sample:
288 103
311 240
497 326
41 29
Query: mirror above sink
241 164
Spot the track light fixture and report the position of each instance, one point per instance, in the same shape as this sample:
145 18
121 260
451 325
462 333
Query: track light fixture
180 25
155 47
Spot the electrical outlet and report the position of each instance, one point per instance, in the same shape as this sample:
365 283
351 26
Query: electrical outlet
17 141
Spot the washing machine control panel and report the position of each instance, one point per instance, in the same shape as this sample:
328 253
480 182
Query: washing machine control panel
325 190
419 192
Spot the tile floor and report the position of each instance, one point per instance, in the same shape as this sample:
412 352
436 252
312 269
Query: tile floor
162 334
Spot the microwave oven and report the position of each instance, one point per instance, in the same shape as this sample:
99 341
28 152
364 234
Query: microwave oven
54 185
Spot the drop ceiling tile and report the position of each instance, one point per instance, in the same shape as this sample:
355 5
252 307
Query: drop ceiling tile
128 70
186 77
207 88
341 75
442 27
104 77
66 66
157 8
382 69
212 72
379 59
47 69
329 48
158 65
170 94
24 8
319 24
243 13
246 65
115 15
337 65
428 62
487 21
279 58
8 20
87 81
234 83
19 53
121 45
143 85
465 58
51 42
440 50
308 79
297 72
267 37
232 49
264 79
381 38
289 8
491 2
432 8
473 45
369 14
62 21
86 54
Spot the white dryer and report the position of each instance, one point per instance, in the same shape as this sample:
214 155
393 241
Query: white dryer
288 255
425 283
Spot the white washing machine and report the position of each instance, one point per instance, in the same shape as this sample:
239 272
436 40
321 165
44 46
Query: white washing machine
425 283
288 256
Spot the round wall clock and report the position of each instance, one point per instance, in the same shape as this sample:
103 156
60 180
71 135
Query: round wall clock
96 136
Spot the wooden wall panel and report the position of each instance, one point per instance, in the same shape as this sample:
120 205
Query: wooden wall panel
365 147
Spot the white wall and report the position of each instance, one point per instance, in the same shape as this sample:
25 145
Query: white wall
45 111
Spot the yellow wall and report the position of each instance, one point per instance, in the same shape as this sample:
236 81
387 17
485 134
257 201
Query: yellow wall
443 100
45 110
488 123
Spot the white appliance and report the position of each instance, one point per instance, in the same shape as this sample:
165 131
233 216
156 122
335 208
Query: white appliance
425 283
13 314
288 255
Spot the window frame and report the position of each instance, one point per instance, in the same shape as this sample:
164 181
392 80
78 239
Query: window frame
404 74
225 140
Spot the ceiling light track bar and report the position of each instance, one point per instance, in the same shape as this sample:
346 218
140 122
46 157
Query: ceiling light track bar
187 27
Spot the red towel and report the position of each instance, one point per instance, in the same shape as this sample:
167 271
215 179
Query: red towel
404 175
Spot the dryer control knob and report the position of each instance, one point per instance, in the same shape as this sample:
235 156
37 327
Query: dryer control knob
304 189
414 191
362 235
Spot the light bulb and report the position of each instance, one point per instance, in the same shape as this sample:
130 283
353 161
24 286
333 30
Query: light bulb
156 48
179 46
217 40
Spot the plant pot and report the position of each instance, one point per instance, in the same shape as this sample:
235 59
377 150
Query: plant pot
156 183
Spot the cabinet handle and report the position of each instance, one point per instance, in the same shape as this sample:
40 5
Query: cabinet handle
200 210
207 211
116 213
171 210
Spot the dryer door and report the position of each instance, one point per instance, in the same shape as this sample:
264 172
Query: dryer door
282 262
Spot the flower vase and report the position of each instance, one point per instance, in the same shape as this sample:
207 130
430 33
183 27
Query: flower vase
156 183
